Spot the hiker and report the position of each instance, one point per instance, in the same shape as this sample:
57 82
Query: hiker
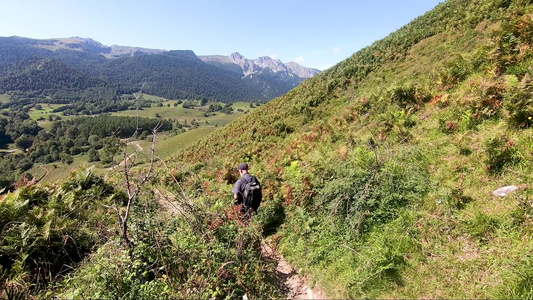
247 191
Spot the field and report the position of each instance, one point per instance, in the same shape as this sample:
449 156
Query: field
170 111
45 112
50 173
165 146
170 144
4 98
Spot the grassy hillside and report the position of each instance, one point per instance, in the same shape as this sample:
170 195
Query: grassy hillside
378 177
379 172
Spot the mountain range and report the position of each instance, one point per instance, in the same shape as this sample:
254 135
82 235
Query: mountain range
170 74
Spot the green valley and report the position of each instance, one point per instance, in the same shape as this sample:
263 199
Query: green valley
34 144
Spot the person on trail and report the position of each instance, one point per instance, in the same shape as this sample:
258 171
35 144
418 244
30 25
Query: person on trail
247 191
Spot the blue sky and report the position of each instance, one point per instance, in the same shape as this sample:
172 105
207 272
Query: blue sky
314 33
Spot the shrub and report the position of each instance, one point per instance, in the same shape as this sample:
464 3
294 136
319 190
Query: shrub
448 126
519 104
455 71
488 100
371 191
410 97
501 152
45 232
271 215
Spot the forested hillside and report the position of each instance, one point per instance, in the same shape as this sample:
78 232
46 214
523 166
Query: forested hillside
378 179
72 70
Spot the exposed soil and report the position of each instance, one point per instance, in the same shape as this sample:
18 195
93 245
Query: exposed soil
293 285
139 149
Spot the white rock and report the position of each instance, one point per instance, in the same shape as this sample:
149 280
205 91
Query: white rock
504 191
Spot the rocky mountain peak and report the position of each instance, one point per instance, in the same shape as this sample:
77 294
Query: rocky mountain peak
237 57
261 64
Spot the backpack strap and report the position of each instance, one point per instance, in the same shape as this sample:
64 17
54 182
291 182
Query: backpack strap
244 183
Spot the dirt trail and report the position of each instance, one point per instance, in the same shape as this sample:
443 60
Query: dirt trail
121 163
294 286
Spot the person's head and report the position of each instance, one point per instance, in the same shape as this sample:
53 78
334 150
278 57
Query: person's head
243 168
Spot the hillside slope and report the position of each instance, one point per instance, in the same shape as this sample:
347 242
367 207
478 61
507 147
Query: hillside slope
379 172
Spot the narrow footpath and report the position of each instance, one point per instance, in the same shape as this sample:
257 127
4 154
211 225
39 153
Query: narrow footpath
293 284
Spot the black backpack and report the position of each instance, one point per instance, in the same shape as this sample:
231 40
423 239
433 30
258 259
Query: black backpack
252 195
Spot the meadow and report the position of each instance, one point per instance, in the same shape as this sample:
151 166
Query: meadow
4 98
44 112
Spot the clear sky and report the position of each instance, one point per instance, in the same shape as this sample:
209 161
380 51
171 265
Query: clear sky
314 33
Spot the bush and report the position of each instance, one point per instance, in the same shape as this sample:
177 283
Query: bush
195 255
367 191
410 97
448 126
44 232
455 71
271 215
487 101
519 104
501 152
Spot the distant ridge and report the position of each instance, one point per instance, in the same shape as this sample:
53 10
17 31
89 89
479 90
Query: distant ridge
255 66
166 73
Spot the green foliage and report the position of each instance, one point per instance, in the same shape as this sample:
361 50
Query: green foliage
366 194
45 232
105 125
111 274
24 142
368 190
410 97
515 53
501 152
216 258
519 103
520 285
457 70
271 215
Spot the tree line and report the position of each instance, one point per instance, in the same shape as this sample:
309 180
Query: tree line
98 137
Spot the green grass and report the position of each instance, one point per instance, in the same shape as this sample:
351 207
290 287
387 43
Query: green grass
152 97
47 125
45 112
185 114
168 145
165 147
453 238
57 170
176 113
245 106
